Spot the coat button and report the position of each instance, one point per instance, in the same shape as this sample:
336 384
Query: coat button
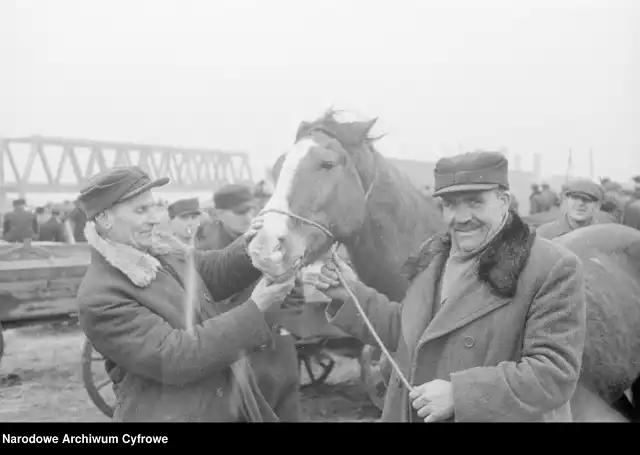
207 297
219 392
469 342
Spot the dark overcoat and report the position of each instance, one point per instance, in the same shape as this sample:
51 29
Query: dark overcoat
276 367
509 339
133 309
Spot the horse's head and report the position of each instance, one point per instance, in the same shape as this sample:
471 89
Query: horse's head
322 184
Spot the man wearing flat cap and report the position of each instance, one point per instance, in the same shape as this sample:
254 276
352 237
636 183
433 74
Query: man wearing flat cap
235 208
582 200
276 367
184 218
493 324
21 224
148 305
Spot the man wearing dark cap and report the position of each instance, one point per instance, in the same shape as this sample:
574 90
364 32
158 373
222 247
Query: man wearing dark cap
21 224
52 230
235 208
147 304
185 216
493 324
276 368
582 200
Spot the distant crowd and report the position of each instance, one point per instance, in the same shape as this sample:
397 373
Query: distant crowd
233 206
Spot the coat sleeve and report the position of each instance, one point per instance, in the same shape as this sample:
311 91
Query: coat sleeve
141 342
547 374
227 271
384 315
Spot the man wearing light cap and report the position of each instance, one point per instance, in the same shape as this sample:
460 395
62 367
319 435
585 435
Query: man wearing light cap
582 200
184 218
147 304
493 324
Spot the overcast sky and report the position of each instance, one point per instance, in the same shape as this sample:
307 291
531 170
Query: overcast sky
535 76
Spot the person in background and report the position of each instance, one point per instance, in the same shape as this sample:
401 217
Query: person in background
185 216
173 353
41 215
20 224
550 197
235 208
78 219
276 368
52 230
536 200
582 199
493 325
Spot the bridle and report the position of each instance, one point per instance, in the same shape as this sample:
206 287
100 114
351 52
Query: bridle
297 265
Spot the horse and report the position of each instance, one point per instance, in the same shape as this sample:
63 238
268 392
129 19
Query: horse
333 176
610 254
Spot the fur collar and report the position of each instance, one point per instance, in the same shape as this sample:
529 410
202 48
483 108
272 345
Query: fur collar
139 266
499 264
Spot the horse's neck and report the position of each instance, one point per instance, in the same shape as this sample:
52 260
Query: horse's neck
398 220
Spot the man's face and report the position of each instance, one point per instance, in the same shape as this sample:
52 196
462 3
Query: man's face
581 208
473 216
238 220
132 222
186 226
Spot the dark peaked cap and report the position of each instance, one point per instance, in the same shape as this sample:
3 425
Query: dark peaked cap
473 171
184 207
114 186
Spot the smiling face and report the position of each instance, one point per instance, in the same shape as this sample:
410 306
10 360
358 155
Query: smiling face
474 216
132 222
581 208
316 180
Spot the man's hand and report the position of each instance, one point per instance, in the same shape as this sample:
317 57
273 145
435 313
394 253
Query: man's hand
256 225
266 292
328 282
433 400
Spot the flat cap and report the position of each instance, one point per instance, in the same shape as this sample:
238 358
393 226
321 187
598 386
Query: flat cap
184 207
584 187
235 197
473 171
19 201
116 185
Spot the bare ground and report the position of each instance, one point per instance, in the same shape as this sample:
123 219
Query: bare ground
41 381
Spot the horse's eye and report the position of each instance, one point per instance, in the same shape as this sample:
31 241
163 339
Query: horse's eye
327 165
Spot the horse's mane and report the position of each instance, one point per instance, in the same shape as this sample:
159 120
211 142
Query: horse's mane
347 133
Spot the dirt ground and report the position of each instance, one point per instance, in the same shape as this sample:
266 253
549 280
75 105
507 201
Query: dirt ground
41 381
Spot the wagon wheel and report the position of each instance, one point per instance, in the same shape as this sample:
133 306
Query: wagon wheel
89 358
373 374
321 359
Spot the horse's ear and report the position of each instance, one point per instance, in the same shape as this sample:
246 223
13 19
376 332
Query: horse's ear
302 129
369 125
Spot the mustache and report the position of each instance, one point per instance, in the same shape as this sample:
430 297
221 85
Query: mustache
466 227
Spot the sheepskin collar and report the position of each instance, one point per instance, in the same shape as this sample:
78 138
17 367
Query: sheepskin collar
499 264
139 266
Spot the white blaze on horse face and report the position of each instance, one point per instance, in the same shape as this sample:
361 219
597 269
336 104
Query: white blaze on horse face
275 224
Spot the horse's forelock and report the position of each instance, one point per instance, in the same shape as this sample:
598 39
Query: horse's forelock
347 133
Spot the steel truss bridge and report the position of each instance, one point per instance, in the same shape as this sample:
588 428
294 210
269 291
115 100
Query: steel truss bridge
57 165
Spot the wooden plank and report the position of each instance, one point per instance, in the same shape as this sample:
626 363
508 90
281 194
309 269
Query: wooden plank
35 311
65 287
38 272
